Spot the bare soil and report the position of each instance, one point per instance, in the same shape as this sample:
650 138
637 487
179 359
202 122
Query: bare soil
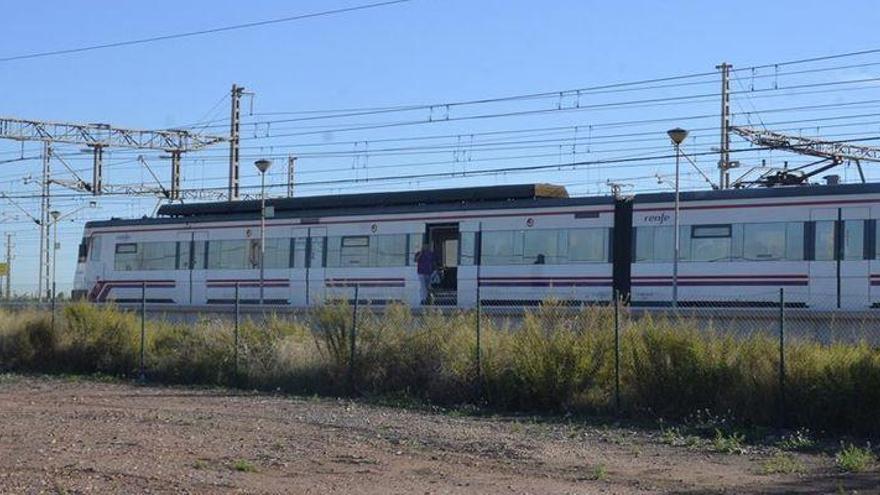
62 435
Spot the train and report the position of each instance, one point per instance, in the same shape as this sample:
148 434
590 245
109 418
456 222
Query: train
503 245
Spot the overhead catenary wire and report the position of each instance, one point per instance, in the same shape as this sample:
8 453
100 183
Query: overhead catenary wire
202 32
480 172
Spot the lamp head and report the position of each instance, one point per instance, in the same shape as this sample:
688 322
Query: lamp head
677 135
55 214
263 165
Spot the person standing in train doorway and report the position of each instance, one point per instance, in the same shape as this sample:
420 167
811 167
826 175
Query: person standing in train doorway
425 266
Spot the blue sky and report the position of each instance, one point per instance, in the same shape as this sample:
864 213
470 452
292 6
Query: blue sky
424 51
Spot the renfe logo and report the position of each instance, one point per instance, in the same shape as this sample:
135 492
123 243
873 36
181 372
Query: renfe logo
658 219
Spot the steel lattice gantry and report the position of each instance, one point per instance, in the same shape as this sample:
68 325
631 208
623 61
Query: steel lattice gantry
100 136
830 153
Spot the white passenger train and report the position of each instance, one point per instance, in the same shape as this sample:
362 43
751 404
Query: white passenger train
506 245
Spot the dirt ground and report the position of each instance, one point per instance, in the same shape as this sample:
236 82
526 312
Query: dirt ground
78 436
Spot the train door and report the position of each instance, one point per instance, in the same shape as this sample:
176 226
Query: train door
854 267
822 258
191 267
316 256
299 282
444 241
839 272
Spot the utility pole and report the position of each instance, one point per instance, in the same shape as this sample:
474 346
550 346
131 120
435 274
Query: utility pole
8 291
174 194
234 134
724 159
291 165
43 272
97 169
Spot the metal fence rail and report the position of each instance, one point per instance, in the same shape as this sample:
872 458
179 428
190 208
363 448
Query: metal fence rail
605 344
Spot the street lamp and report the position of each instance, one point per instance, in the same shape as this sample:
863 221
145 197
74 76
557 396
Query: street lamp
677 135
262 165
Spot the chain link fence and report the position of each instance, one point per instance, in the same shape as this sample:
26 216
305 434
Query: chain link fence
773 362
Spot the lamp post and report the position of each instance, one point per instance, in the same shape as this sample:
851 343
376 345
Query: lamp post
677 135
263 166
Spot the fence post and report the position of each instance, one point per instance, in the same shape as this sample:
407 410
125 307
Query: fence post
479 351
616 351
235 336
352 336
142 377
53 306
782 357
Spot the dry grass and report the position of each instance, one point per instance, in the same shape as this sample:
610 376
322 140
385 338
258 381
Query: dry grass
557 360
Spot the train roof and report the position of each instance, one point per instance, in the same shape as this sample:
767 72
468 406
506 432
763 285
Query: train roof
469 195
761 192
434 200
457 199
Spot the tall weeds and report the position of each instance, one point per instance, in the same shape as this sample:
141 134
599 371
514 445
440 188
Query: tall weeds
553 359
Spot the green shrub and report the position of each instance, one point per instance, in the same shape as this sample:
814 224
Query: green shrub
99 339
332 326
854 459
199 353
728 443
554 358
782 463
560 360
27 341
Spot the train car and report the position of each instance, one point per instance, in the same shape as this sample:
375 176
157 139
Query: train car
738 247
507 245
504 245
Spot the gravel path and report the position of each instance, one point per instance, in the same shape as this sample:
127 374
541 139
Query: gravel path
78 436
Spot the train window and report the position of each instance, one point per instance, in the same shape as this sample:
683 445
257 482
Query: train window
501 248
299 252
126 257
145 256
876 246
538 247
200 255
388 250
656 244
277 253
542 247
83 254
664 243
183 255
95 248
824 250
587 245
349 251
764 241
644 244
853 240
710 231
710 243
794 241
317 256
415 244
356 241
157 256
126 248
229 254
